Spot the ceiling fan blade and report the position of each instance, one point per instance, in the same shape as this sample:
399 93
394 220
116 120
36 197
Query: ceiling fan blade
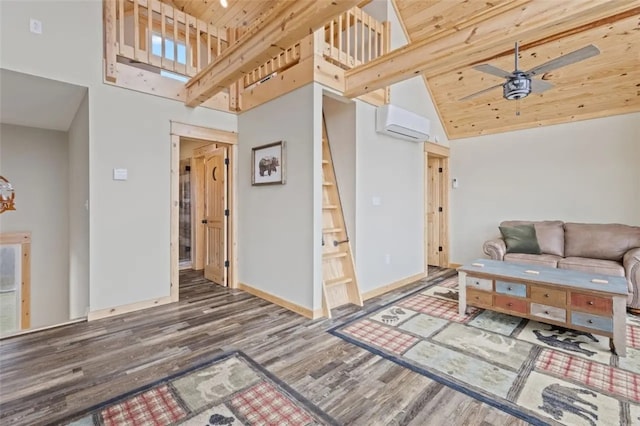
479 93
490 69
564 60
539 86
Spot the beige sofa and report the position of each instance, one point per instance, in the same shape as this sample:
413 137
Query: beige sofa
609 249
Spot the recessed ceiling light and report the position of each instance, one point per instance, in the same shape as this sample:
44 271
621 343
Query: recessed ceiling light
224 3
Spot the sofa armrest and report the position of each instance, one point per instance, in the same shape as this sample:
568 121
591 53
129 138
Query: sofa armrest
631 263
496 249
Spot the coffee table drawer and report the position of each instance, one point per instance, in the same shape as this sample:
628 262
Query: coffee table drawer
480 283
511 304
548 296
479 298
592 321
596 304
548 312
513 289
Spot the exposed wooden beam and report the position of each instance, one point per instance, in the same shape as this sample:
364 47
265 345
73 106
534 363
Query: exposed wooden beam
286 23
478 40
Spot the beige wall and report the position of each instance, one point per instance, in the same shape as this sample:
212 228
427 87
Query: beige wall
36 161
129 220
276 222
79 212
587 171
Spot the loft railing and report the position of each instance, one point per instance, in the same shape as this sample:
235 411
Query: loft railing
157 34
355 38
284 60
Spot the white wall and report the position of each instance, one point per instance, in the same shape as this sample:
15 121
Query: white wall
340 118
276 222
129 221
35 161
78 212
587 171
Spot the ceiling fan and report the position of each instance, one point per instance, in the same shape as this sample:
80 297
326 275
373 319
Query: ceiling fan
520 83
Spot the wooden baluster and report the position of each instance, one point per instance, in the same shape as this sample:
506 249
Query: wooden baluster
362 47
149 35
121 43
163 35
369 37
190 21
331 37
175 40
340 38
110 41
347 31
137 54
356 45
199 26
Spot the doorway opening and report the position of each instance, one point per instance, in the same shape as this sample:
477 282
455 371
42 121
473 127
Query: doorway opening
203 204
436 159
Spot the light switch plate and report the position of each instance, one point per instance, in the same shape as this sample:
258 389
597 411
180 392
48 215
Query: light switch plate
35 26
120 174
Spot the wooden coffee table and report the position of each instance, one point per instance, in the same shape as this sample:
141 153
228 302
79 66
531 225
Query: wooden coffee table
571 299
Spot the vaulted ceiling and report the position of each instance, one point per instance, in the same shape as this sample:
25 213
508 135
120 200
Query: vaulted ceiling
606 84
459 34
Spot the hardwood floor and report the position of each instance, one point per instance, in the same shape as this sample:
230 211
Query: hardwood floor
48 375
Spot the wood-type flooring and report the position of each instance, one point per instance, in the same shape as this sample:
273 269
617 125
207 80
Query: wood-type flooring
47 375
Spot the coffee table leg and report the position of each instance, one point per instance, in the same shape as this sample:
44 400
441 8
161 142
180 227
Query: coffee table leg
462 293
619 339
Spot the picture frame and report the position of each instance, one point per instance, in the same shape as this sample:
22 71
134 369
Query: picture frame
268 164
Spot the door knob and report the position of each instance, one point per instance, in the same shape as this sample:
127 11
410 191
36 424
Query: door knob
205 221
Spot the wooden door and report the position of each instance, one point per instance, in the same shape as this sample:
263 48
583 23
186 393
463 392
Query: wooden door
215 178
433 215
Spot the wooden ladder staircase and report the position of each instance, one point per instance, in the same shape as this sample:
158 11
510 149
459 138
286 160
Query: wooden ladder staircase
339 283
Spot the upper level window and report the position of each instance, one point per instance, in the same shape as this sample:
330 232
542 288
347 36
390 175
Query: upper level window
169 49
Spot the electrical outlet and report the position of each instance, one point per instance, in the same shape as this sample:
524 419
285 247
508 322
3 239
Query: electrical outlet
35 26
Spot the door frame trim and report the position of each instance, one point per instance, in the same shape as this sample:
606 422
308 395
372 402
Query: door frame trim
433 150
178 130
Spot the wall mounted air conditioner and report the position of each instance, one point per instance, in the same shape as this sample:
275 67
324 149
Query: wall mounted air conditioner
402 124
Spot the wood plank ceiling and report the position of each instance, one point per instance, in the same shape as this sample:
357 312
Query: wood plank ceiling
604 85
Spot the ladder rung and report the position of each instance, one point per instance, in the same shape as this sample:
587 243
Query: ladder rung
325 161
334 255
327 183
331 230
337 281
329 207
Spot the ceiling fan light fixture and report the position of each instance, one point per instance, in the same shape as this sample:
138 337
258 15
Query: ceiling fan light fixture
224 3
517 87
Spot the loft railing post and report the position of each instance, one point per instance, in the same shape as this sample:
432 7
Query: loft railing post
110 40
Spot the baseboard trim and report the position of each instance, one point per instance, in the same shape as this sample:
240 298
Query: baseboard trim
124 309
276 300
393 286
43 328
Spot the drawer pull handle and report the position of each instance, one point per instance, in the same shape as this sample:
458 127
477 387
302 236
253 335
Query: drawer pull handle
477 297
546 312
477 282
546 295
590 302
509 288
590 321
509 304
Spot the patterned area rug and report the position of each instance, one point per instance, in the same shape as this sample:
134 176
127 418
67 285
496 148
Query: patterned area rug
232 390
541 373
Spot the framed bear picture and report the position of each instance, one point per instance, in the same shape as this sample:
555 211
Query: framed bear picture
268 164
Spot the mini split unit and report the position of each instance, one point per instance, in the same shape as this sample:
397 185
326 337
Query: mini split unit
402 124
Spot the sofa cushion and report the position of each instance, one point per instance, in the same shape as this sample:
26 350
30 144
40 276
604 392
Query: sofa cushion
594 266
520 239
549 260
550 234
600 241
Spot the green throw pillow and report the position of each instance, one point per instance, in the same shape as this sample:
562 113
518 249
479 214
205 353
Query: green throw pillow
520 239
